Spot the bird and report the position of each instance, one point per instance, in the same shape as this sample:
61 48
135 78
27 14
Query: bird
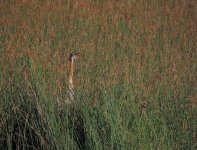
75 115
70 92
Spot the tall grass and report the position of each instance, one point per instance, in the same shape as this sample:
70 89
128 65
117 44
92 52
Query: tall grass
135 84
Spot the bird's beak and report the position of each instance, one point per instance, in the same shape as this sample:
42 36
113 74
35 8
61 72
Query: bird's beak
78 54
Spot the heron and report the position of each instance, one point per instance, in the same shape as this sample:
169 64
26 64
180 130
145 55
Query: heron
75 115
70 93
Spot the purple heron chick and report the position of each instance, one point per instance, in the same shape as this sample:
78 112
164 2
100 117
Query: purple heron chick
70 92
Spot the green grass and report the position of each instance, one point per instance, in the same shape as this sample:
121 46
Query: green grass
133 53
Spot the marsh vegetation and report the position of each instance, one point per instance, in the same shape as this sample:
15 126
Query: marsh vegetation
135 84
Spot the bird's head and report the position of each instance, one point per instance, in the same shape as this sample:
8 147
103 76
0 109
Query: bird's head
73 56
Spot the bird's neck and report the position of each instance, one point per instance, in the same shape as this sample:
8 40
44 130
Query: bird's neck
71 74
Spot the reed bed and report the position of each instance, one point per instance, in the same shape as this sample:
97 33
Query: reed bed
135 83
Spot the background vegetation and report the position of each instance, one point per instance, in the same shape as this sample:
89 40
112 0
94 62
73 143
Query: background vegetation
135 84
